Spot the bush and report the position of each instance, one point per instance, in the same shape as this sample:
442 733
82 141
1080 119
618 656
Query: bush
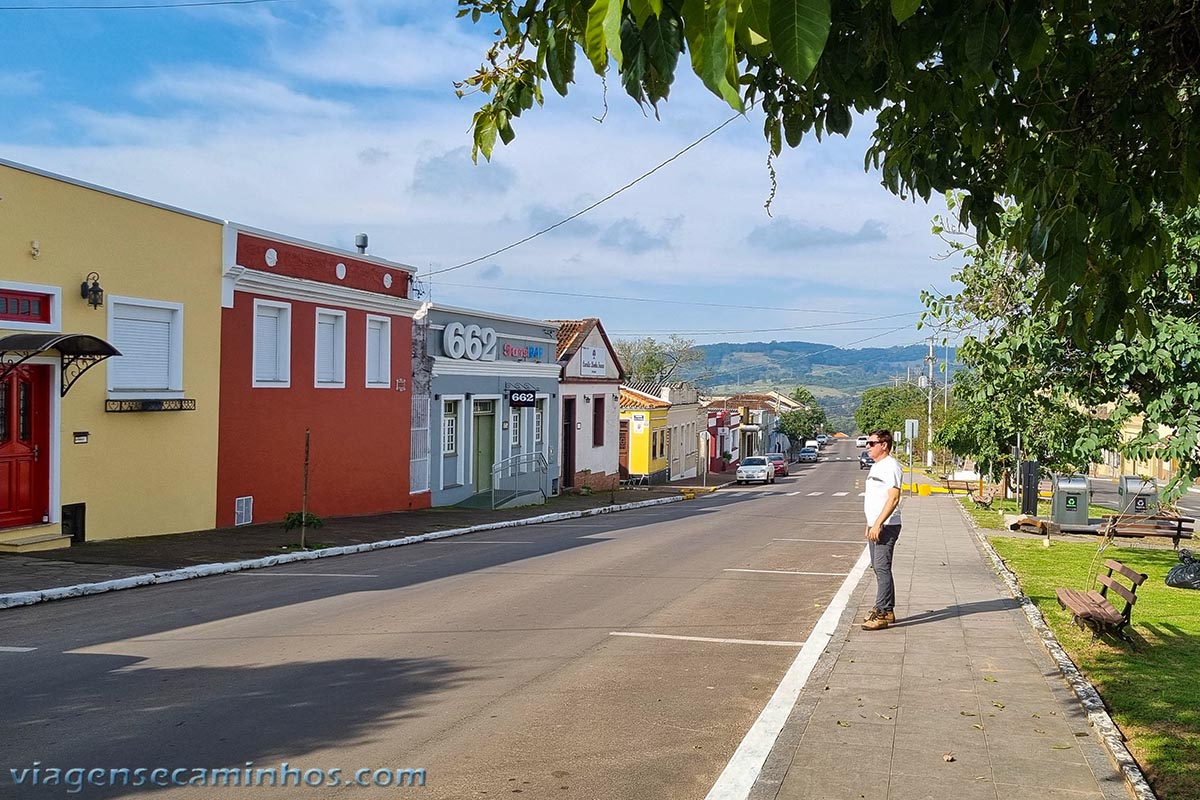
294 519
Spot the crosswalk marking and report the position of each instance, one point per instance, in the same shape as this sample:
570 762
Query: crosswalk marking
17 649
767 642
815 494
840 494
792 494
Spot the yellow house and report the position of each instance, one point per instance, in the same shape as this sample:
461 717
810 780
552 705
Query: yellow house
644 442
95 445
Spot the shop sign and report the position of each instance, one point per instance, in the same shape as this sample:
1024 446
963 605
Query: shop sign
472 342
521 398
592 362
528 351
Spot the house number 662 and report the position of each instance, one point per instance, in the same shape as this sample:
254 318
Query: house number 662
469 341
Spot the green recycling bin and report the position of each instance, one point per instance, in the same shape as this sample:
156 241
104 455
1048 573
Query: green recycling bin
1138 495
1069 503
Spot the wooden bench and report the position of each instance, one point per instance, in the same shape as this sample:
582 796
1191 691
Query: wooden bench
985 498
1143 525
952 485
1095 610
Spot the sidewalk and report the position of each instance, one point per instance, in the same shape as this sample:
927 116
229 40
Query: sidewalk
959 700
93 562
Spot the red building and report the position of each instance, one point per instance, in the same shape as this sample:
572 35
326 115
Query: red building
319 339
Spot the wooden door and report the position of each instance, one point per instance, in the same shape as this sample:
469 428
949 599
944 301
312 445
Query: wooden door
24 446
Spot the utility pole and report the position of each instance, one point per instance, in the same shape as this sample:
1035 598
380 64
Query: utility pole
929 415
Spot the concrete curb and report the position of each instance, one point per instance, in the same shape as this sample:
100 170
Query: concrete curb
17 599
1110 735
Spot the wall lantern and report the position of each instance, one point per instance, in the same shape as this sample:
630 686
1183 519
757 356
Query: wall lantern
90 290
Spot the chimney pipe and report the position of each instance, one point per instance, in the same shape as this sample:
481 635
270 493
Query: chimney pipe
360 242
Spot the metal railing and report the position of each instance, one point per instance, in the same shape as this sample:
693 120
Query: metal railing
514 476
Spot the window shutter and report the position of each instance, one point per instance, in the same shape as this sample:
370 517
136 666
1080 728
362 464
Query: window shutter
145 344
326 336
266 354
377 352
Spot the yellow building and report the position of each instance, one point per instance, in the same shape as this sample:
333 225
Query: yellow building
92 444
644 443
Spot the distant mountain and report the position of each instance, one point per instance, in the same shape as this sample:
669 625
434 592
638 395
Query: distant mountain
837 376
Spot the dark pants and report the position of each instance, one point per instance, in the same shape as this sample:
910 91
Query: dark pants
881 563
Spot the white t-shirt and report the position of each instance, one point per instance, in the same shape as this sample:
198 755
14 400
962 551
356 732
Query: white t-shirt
885 474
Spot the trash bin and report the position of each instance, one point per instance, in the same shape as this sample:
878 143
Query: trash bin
1138 495
1069 504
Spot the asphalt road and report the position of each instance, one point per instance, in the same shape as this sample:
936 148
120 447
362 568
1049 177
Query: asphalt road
621 656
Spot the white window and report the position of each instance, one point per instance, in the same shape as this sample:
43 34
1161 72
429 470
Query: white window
330 349
450 427
272 344
539 422
379 352
514 426
149 334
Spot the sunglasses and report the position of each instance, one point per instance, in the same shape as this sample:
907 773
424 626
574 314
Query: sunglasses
873 442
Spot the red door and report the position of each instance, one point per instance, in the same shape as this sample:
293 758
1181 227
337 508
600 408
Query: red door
24 446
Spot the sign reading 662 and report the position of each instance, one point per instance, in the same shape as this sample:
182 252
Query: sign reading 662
469 341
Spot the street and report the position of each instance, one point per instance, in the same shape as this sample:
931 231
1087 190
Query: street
622 656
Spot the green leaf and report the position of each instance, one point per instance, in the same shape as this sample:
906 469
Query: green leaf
983 40
560 60
903 9
1027 38
710 39
642 11
799 30
837 119
603 33
754 27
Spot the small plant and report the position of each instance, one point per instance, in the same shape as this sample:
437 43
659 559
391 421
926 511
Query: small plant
295 519
585 488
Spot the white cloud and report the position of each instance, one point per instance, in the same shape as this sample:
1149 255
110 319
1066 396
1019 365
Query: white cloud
20 84
227 90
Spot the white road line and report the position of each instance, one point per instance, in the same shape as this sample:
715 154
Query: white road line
266 574
815 494
821 541
840 494
784 572
24 649
739 774
862 494
792 494
769 643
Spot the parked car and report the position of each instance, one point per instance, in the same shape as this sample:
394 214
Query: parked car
860 441
808 454
756 468
781 463
864 460
822 440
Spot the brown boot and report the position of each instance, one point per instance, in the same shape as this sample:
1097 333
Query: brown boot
879 622
890 616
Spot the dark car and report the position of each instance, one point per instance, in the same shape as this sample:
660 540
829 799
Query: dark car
864 460
781 463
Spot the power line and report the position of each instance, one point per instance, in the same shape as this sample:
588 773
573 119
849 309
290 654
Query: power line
840 325
142 6
578 214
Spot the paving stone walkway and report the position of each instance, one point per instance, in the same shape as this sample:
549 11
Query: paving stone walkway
959 700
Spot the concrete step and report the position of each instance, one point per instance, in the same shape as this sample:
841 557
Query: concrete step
35 542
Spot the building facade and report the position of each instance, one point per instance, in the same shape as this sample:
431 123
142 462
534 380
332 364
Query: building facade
684 425
315 366
96 445
589 396
645 437
493 432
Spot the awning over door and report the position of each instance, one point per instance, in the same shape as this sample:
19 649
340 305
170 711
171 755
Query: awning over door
79 353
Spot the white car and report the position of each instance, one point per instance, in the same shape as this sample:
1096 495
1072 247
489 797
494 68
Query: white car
860 441
756 468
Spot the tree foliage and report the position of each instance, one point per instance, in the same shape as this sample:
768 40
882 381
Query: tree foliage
1149 375
649 359
801 424
886 408
1083 113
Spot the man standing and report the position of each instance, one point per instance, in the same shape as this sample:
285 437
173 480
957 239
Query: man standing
882 507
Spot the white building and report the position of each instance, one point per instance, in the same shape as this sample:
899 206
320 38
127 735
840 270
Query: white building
589 407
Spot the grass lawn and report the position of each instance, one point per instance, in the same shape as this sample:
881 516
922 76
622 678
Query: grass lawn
995 517
1151 688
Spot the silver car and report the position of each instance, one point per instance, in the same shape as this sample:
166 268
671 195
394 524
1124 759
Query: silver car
756 468
807 455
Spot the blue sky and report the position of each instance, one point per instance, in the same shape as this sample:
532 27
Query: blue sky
323 119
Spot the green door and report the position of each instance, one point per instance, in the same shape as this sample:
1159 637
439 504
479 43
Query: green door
483 436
